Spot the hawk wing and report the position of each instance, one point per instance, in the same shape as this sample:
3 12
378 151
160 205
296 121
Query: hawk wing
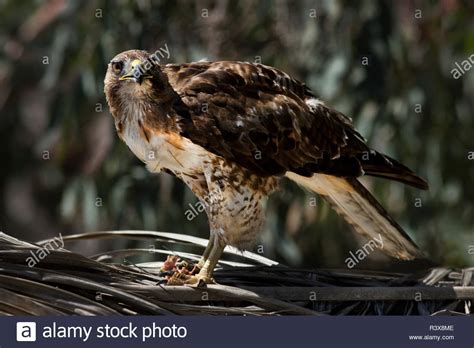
270 123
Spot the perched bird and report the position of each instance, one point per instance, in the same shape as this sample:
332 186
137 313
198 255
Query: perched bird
231 130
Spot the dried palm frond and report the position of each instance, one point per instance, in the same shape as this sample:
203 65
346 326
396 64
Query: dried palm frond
65 283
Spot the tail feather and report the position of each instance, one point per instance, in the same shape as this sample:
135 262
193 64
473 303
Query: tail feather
386 167
359 208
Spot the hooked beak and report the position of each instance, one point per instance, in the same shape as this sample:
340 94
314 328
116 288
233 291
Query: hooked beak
136 73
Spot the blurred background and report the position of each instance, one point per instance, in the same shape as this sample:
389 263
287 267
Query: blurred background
387 64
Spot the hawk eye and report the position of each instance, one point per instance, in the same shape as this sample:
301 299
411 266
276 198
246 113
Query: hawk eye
117 67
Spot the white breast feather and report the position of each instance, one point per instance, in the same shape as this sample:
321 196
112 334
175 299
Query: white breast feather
159 154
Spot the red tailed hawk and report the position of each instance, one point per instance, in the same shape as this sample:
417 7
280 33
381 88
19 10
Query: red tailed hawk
232 130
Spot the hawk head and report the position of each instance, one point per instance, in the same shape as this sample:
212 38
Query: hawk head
133 79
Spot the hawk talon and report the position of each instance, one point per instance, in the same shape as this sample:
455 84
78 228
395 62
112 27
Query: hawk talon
192 280
196 269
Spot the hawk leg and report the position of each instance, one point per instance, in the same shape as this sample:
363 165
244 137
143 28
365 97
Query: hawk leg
206 265
206 253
